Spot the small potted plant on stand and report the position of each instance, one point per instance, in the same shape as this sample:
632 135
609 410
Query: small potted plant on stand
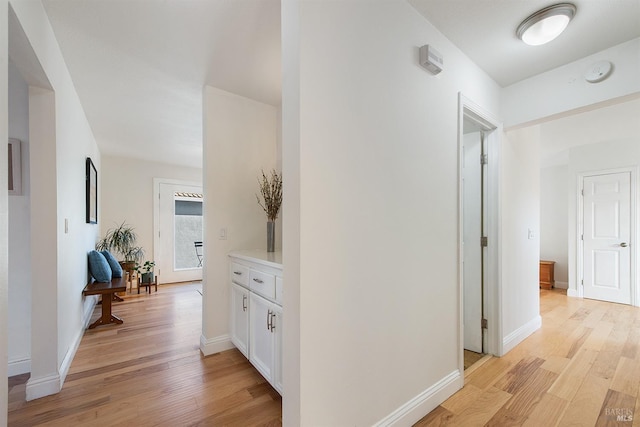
145 272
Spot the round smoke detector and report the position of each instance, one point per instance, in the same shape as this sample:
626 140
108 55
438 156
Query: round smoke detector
598 72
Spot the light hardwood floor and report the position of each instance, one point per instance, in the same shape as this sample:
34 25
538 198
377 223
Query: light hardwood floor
149 371
582 368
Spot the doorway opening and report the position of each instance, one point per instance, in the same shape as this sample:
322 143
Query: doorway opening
473 240
178 235
480 328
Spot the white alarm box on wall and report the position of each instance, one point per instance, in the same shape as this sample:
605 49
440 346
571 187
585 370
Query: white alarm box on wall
431 59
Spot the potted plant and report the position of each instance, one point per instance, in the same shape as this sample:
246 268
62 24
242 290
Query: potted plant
271 190
146 271
122 240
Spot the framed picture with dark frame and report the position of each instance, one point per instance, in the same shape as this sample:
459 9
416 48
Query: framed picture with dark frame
92 192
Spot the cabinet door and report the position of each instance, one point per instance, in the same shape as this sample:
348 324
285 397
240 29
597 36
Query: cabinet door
240 318
277 330
261 336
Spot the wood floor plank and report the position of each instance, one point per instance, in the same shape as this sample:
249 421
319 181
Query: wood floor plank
627 376
482 409
630 349
555 364
572 377
438 417
584 407
459 401
599 336
617 408
506 418
519 375
547 412
490 373
527 397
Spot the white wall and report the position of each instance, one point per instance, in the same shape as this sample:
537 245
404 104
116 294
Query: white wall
563 89
290 152
377 266
593 158
19 233
127 194
520 213
61 139
4 209
239 140
615 122
554 221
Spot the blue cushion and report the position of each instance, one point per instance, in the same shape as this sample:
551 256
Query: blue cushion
99 267
116 269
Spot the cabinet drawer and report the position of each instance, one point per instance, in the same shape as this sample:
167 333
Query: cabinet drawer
239 274
262 284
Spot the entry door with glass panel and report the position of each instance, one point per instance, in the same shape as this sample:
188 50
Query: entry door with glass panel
180 235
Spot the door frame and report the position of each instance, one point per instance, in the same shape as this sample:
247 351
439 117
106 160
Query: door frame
492 127
633 253
156 207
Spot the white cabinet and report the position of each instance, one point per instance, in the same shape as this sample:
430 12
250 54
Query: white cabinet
262 335
256 311
240 318
277 357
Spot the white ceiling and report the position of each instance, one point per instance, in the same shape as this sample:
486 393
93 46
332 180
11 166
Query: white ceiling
139 66
485 30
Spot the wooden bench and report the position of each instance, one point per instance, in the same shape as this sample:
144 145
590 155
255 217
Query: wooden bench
108 291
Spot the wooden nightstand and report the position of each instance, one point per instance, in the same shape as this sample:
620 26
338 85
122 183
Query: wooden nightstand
546 274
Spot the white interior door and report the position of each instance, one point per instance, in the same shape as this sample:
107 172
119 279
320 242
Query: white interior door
179 227
472 230
606 235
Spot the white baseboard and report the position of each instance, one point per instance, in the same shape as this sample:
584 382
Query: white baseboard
561 285
425 402
215 344
41 387
572 293
517 336
17 367
52 384
89 305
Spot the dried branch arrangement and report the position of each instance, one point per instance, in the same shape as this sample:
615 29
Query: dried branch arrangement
271 189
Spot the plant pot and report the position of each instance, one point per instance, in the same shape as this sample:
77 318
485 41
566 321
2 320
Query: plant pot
127 266
147 277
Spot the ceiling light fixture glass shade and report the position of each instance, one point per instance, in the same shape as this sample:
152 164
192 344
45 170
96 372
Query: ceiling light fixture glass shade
546 24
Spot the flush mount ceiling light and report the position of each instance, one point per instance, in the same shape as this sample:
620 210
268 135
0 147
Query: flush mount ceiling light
546 24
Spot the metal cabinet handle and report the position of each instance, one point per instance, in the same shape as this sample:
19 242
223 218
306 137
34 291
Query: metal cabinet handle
244 302
237 273
268 320
623 245
273 324
255 279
